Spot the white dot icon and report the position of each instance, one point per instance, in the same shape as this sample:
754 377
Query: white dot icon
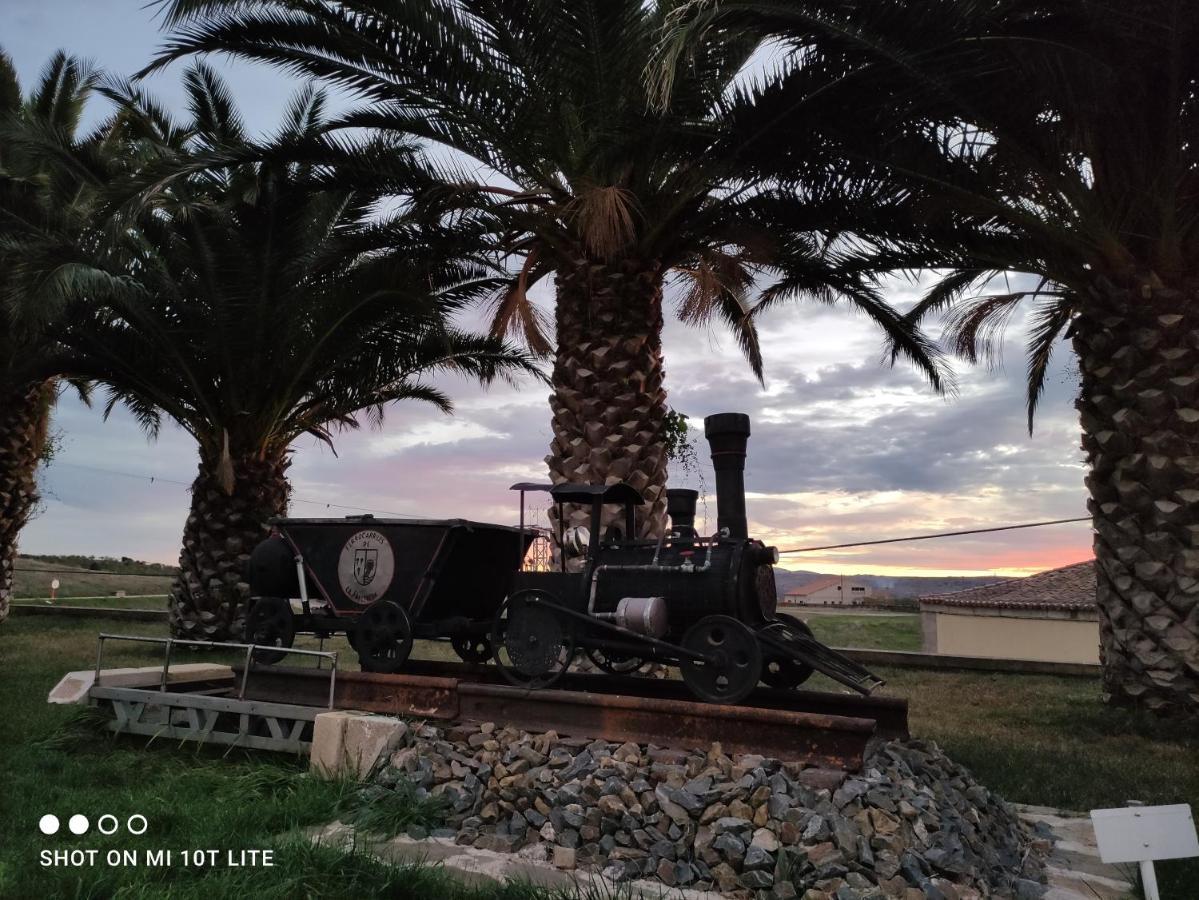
48 824
78 824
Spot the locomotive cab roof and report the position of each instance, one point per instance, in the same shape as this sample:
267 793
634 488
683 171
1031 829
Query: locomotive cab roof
621 492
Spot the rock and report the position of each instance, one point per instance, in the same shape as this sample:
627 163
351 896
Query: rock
815 830
766 839
611 805
725 876
665 872
821 779
823 854
757 858
883 822
564 857
731 824
730 846
503 843
756 880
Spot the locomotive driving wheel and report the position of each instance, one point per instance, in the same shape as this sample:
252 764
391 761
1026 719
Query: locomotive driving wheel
784 672
734 662
383 637
270 623
472 648
532 644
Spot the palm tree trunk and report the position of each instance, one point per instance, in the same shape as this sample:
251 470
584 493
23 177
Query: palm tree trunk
23 420
208 597
1138 350
608 403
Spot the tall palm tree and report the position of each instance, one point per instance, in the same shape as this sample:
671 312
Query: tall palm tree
1058 138
252 303
574 173
35 194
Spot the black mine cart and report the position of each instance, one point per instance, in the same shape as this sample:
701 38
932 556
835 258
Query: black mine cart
382 582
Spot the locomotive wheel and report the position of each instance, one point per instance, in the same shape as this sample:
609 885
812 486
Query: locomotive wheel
383 637
270 623
614 663
472 648
783 672
532 644
736 663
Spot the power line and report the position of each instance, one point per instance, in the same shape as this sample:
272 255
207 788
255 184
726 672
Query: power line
153 478
330 505
943 534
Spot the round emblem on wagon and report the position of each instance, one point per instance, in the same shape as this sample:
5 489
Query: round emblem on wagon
366 567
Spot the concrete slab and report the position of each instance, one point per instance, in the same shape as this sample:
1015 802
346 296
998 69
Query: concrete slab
474 866
73 687
1074 868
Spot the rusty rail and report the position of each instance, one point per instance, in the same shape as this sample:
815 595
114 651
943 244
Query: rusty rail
820 728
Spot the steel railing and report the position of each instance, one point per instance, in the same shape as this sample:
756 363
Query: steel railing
249 649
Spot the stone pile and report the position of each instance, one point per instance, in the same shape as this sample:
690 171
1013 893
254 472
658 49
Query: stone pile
912 824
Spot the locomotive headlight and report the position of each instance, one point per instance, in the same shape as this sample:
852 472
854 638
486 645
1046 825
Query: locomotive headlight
768 555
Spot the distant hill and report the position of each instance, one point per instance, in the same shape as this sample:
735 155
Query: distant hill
897 585
80 576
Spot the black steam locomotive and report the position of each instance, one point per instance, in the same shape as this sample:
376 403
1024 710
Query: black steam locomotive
704 604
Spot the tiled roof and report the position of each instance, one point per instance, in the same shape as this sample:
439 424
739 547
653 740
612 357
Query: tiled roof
1068 588
805 590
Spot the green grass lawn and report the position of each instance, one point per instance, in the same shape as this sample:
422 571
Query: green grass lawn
32 578
1033 739
192 800
901 632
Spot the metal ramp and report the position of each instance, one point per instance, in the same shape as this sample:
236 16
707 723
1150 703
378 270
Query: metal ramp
789 641
214 711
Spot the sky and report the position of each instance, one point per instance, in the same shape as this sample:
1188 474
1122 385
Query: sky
845 448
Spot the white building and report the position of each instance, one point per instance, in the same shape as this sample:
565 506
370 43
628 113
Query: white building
1049 616
831 590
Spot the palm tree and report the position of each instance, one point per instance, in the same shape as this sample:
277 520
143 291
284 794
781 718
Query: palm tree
574 173
35 194
252 303
1058 139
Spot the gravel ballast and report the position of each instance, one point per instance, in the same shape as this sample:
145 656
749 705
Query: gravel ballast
911 824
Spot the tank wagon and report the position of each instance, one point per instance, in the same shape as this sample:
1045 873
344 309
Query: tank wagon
706 604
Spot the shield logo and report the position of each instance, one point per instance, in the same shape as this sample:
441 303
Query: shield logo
366 563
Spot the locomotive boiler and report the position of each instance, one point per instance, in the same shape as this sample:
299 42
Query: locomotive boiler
704 603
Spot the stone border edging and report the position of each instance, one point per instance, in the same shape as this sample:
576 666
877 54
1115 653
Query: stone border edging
910 659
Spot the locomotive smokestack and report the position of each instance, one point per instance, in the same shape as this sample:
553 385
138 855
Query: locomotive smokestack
727 435
680 506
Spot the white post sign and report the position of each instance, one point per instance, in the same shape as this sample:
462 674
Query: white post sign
1142 834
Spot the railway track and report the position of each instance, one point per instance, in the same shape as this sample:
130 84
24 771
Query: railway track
827 729
274 707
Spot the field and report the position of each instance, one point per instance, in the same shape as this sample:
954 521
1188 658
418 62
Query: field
33 576
1034 739
890 632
